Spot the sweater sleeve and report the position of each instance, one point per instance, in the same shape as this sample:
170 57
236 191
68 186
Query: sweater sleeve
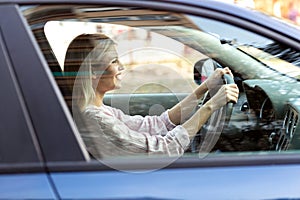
154 125
109 136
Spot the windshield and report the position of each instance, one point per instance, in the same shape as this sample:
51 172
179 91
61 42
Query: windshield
276 56
284 61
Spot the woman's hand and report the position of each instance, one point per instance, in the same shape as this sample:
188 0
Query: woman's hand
224 95
215 81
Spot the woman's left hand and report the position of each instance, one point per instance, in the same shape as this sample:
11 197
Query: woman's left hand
215 81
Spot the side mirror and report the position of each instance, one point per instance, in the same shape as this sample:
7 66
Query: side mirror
203 69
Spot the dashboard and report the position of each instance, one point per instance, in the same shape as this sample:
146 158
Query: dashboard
290 131
263 119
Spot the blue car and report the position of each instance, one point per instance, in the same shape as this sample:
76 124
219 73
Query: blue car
246 150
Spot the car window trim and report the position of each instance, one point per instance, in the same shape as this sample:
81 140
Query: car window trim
48 128
18 112
193 8
150 163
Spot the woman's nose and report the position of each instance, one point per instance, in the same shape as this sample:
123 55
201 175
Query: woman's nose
121 67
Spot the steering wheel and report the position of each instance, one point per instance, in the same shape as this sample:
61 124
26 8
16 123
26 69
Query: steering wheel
207 137
229 106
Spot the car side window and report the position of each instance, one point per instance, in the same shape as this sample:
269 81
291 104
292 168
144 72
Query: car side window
143 53
166 56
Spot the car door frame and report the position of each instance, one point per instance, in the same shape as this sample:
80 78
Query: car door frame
40 92
54 97
22 170
47 133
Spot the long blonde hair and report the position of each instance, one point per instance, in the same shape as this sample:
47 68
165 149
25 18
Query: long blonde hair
84 51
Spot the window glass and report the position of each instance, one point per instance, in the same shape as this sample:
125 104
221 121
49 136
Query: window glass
275 55
144 54
163 57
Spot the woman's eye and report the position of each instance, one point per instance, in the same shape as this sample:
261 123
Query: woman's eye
114 61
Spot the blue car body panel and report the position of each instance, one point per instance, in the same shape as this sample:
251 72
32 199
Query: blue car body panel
26 186
259 182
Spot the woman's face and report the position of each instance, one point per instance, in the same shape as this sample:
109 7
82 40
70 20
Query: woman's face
110 78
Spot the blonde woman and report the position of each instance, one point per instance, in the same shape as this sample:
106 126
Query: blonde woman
94 59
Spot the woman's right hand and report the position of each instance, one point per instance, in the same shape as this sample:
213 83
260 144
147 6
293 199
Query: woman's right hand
225 94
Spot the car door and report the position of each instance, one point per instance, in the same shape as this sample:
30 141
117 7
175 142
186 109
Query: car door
22 171
221 174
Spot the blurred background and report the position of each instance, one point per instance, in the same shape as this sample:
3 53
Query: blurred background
285 9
